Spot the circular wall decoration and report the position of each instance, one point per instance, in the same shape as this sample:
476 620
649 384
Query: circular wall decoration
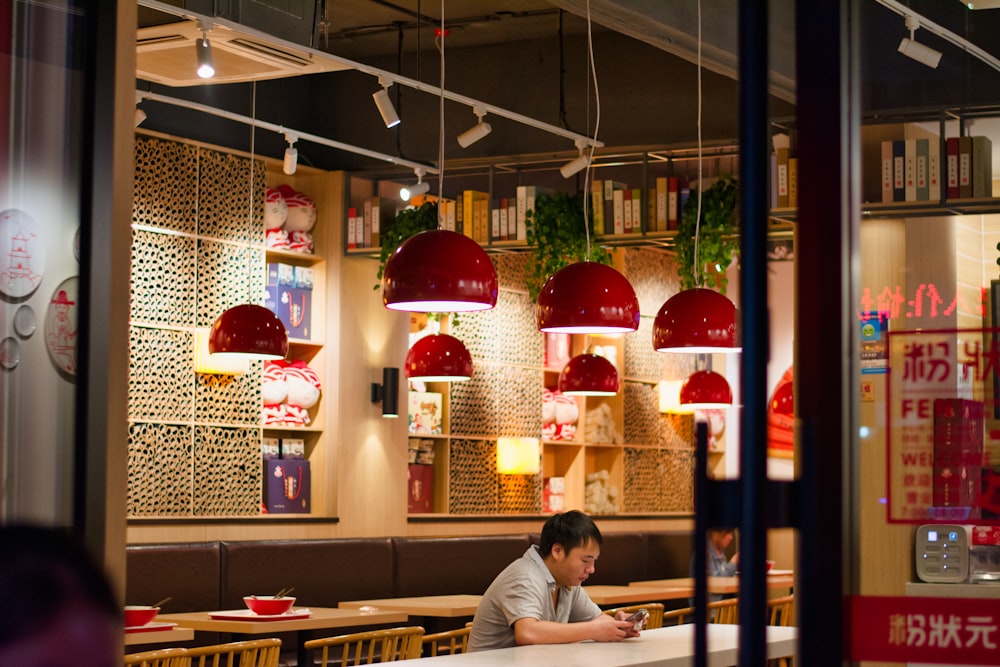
10 353
60 326
22 254
25 321
76 245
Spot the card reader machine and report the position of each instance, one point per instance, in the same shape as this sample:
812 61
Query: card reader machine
942 553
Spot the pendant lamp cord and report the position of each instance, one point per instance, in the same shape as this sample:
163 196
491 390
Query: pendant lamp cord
698 269
440 45
597 125
253 137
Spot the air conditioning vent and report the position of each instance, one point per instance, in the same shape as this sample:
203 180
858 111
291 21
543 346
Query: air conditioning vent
160 39
269 52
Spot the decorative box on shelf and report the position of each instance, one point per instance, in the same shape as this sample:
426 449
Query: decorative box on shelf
420 482
424 413
287 485
289 296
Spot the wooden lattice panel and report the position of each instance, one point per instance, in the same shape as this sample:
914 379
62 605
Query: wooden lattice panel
498 400
224 210
653 275
679 431
512 270
520 494
505 334
642 418
163 287
472 477
227 471
161 374
166 185
658 480
229 399
159 470
678 481
228 275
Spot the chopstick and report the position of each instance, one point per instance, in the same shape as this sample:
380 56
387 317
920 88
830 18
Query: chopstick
283 592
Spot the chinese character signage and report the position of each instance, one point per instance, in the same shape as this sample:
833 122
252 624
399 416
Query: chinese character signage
949 631
943 436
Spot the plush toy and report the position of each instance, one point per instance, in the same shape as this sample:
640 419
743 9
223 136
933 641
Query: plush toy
289 390
300 220
559 415
275 214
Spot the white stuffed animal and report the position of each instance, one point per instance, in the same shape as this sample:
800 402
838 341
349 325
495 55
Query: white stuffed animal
275 215
300 220
289 390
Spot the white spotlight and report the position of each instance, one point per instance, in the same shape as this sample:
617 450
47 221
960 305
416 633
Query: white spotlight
291 154
407 192
476 132
203 53
910 47
574 166
384 104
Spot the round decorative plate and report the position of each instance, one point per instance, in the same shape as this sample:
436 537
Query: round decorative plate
25 321
60 325
10 353
22 254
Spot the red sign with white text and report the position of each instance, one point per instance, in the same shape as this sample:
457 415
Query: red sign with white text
953 631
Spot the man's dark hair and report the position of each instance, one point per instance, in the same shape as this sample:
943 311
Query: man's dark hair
42 572
570 529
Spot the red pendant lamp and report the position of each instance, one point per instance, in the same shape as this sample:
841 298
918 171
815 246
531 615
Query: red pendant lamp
587 297
588 375
249 330
439 271
696 320
706 390
438 358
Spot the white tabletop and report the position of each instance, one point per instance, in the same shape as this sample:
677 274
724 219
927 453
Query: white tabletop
663 647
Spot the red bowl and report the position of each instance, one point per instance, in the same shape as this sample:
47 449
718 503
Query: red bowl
268 605
770 564
137 614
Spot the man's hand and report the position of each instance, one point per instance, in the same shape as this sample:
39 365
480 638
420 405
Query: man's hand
631 631
608 629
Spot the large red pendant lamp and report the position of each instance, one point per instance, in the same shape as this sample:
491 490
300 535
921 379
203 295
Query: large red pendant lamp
439 271
588 375
587 297
249 330
705 390
438 358
696 320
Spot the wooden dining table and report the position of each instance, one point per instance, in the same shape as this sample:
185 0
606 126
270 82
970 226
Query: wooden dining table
602 594
446 606
241 622
161 635
777 579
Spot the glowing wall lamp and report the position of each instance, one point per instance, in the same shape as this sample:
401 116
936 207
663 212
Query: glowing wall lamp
387 393
518 456
670 397
216 364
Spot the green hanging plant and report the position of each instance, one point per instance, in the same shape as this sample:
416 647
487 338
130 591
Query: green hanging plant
408 222
718 240
557 236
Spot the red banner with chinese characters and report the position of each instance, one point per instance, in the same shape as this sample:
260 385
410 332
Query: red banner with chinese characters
951 631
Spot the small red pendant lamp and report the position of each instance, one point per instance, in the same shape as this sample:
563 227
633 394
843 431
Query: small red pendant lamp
439 271
249 330
587 297
705 390
588 375
438 358
696 320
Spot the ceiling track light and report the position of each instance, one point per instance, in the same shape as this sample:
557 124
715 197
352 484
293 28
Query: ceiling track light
384 104
203 52
408 192
911 48
477 131
291 154
577 164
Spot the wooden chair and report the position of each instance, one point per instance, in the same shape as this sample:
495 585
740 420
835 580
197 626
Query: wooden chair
678 616
781 611
367 648
251 653
164 657
725 611
655 610
452 641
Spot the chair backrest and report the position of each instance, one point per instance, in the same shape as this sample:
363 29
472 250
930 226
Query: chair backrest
372 646
678 616
655 610
724 611
251 653
452 641
164 657
781 611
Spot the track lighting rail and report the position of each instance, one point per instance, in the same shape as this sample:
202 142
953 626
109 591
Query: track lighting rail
385 76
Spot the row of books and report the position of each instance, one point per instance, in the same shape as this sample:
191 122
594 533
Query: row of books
784 178
366 222
618 208
912 169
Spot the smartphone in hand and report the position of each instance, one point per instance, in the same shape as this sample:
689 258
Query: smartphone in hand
638 619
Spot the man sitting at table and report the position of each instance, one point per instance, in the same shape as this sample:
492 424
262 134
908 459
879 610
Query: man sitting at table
538 598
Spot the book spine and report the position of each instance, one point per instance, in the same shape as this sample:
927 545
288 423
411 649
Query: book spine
495 220
910 169
982 167
673 202
636 210
793 182
887 171
782 156
352 237
627 211
511 219
376 204
898 171
597 202
367 217
965 167
522 208
618 206
923 190
934 169
661 204
951 148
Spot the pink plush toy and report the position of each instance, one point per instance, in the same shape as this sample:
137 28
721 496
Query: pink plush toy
289 390
559 415
300 220
275 215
